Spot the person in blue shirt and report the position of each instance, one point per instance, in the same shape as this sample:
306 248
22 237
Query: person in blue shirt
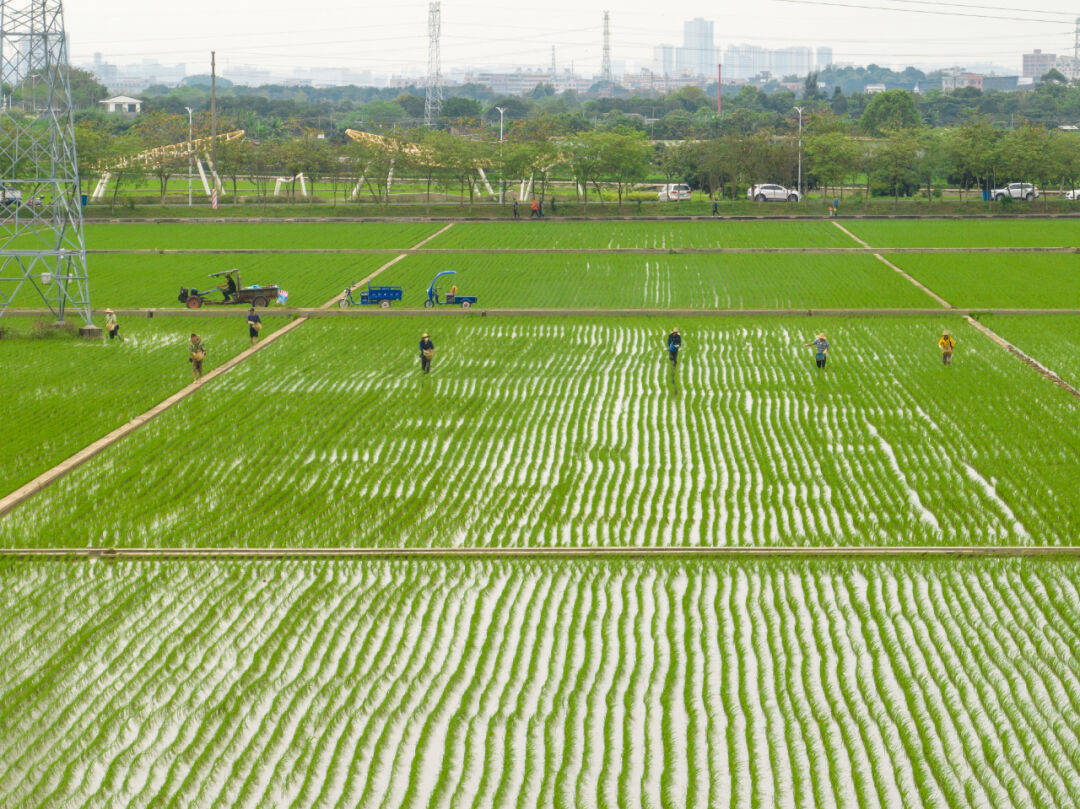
674 343
821 349
254 325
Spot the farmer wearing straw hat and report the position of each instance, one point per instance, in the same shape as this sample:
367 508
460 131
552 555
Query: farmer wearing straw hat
427 352
674 343
821 349
196 355
254 325
112 326
947 345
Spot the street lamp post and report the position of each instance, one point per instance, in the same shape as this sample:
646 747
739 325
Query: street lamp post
502 179
800 111
191 152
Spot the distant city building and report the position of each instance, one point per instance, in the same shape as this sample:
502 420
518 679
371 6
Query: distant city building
959 79
1069 66
697 56
1005 84
1037 64
746 62
647 82
122 105
520 82
873 89
792 62
664 60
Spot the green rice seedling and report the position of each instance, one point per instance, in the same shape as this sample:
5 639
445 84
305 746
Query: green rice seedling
154 280
997 281
603 235
573 432
969 233
600 281
94 387
261 236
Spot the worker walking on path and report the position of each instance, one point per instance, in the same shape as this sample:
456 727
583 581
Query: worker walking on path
674 343
254 325
535 210
516 215
821 349
196 355
427 353
112 326
947 345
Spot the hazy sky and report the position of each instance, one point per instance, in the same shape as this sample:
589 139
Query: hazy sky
391 36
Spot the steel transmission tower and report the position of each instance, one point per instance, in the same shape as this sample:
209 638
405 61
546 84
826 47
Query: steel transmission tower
41 228
606 75
433 104
1076 42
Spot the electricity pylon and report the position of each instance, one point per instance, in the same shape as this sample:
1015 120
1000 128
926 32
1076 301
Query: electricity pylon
41 229
433 102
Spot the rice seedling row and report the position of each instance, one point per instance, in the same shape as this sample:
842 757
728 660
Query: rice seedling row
990 281
262 235
661 282
1053 340
577 433
968 232
628 234
61 393
410 684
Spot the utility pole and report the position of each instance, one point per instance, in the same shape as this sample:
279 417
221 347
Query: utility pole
191 152
213 111
502 170
800 111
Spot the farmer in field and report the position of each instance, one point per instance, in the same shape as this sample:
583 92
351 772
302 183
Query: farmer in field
947 345
112 326
196 355
254 325
674 343
229 288
821 349
427 353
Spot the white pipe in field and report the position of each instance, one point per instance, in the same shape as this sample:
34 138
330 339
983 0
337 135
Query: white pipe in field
202 176
487 185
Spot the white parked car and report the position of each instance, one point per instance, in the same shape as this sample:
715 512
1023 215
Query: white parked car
10 196
1025 191
1073 194
772 193
678 192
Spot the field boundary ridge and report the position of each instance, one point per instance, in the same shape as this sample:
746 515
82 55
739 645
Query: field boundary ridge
360 311
562 251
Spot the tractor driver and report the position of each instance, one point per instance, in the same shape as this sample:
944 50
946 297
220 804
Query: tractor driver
229 288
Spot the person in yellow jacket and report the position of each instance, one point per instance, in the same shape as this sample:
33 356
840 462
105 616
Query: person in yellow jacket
947 345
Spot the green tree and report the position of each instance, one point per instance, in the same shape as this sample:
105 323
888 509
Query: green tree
889 111
831 158
895 164
161 134
625 159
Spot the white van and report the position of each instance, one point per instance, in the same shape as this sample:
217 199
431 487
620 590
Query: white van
677 192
